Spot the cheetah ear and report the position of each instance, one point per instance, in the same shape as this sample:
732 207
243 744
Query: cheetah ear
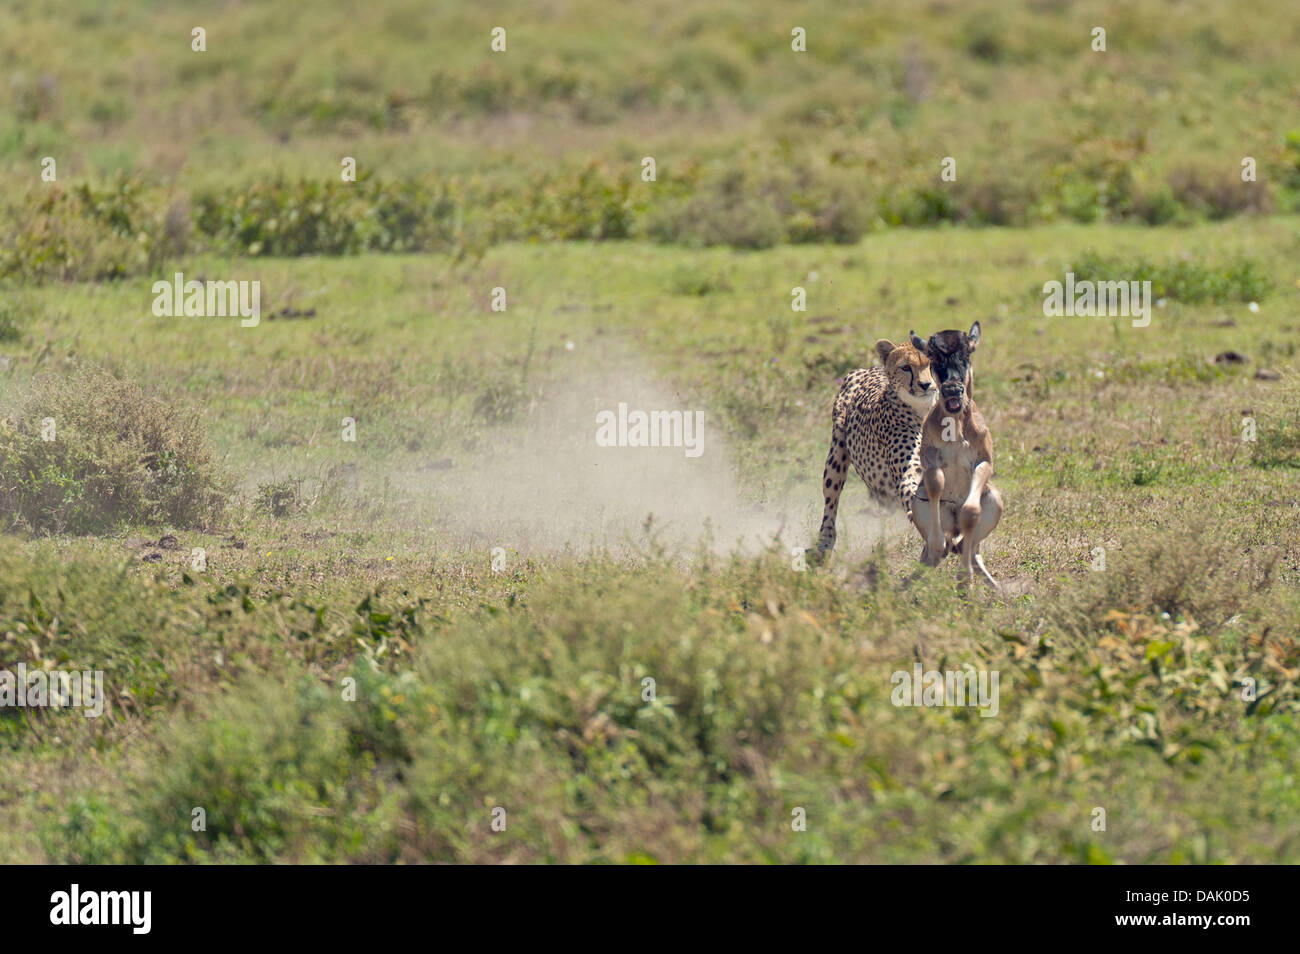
917 343
884 347
973 336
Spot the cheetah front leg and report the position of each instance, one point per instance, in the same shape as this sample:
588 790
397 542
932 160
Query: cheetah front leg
837 468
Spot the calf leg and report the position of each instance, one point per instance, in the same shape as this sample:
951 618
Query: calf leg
969 515
990 512
920 517
837 468
932 527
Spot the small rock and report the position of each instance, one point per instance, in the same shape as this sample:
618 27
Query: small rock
153 556
1230 357
1264 374
290 312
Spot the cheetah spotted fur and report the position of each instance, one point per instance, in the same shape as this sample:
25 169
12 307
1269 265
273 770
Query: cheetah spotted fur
876 424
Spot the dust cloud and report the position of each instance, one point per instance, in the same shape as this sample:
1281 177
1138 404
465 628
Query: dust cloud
545 485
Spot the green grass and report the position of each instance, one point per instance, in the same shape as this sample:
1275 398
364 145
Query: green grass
366 650
522 688
280 90
238 150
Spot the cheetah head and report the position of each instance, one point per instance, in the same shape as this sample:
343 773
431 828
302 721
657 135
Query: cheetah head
949 353
908 370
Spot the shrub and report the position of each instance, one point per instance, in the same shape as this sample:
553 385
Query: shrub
9 330
829 205
693 280
1279 432
769 690
84 613
117 456
718 219
1182 280
279 499
730 206
82 234
276 774
1154 203
1217 193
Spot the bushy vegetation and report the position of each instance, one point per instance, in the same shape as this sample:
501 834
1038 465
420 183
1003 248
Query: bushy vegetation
88 451
770 692
368 650
128 229
10 330
524 689
756 145
1186 280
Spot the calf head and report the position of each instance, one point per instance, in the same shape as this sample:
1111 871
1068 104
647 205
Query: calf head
949 353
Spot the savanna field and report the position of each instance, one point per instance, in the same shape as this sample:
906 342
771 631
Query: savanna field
359 578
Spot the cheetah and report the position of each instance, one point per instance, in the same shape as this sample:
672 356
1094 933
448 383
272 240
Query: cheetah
876 423
957 505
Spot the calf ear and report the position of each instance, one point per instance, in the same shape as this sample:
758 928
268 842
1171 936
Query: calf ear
917 343
973 336
883 349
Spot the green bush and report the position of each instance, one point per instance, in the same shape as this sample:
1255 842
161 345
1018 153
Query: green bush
281 498
81 234
754 200
1278 440
335 218
113 456
1217 193
1182 280
85 615
9 330
629 714
277 775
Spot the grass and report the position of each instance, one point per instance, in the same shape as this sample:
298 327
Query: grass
291 93
523 688
364 589
239 149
